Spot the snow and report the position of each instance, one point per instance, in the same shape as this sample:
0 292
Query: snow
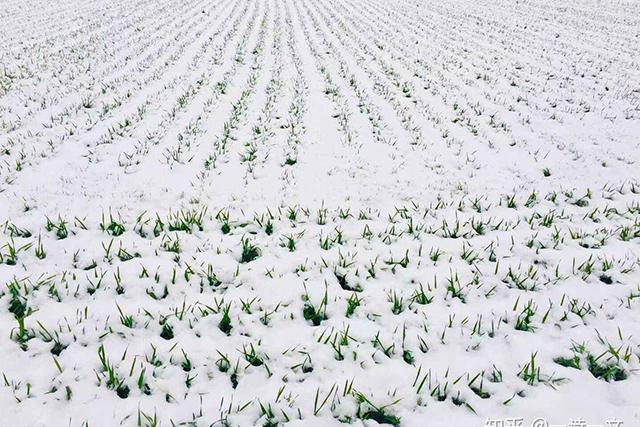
418 213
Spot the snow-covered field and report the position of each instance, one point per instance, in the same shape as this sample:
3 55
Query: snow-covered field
319 212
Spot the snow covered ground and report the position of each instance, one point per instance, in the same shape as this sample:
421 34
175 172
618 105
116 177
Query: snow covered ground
317 213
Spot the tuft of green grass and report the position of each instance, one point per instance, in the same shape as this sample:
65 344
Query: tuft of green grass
167 331
111 226
352 303
606 371
60 228
397 305
314 314
250 251
225 322
113 380
18 306
378 414
251 356
568 362
419 296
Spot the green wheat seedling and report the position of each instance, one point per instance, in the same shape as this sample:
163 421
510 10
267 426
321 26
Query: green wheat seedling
289 240
397 302
186 220
252 356
419 296
250 251
530 373
167 330
223 218
108 372
454 288
171 245
48 337
387 350
118 279
225 322
111 226
126 320
435 254
478 386
312 313
522 280
11 257
60 228
524 320
353 302
403 262
15 231
469 255
40 253
18 306
368 411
